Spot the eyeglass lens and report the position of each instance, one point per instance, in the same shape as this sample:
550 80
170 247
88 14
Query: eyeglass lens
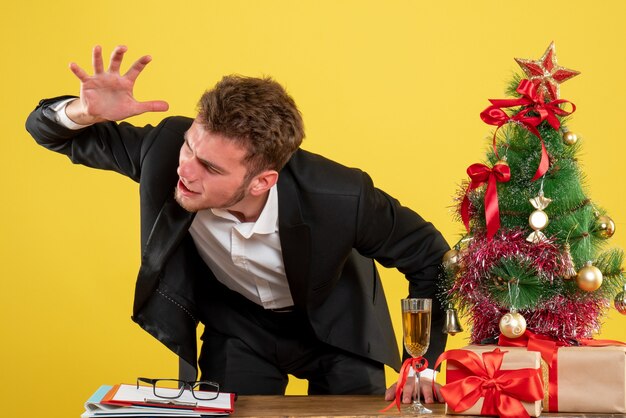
174 388
205 391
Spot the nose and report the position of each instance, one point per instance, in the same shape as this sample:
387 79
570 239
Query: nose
185 168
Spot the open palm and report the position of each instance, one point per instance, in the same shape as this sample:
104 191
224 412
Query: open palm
108 95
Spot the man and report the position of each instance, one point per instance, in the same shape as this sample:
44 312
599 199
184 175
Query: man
269 246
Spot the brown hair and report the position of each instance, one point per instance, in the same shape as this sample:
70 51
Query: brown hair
257 113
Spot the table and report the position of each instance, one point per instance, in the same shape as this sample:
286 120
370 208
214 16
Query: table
332 406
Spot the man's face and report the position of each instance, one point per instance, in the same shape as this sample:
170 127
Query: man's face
211 171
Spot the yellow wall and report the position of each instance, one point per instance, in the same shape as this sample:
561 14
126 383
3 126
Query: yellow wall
393 87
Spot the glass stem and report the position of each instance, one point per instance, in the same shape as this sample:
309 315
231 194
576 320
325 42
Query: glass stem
418 391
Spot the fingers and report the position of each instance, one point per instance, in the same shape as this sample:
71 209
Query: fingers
438 394
98 64
79 72
153 106
390 393
116 58
137 67
96 60
427 390
407 391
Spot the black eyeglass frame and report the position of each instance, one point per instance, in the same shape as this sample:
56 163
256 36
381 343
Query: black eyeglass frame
192 385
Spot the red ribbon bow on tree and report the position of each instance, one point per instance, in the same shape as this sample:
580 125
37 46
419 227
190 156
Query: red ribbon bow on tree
537 111
503 390
479 174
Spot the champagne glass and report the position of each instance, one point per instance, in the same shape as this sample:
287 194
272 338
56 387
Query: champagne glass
416 326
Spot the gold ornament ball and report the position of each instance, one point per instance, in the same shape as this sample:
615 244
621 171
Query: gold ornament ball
589 278
451 259
570 138
605 227
620 303
512 325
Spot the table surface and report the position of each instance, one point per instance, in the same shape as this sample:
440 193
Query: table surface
331 406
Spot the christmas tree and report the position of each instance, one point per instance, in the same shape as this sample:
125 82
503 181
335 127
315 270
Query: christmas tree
535 254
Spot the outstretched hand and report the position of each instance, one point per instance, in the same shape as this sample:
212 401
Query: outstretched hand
108 95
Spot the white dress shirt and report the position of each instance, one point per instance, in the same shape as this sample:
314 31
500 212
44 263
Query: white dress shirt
245 256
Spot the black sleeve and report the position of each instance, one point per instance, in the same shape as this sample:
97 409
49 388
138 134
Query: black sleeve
396 236
108 145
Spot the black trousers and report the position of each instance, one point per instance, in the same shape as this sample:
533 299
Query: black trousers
250 351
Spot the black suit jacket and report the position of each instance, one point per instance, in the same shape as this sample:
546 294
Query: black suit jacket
332 223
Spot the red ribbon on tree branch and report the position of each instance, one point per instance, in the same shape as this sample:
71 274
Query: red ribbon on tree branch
503 390
479 174
535 112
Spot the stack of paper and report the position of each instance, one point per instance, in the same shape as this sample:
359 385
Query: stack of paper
132 401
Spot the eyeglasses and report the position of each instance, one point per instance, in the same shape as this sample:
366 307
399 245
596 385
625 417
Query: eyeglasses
173 388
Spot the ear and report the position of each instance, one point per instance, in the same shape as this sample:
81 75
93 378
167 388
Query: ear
262 182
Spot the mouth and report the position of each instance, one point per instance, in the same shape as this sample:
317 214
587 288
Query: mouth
184 189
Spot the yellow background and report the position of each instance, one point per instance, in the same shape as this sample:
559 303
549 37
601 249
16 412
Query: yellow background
393 87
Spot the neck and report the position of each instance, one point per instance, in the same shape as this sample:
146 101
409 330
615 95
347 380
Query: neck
250 208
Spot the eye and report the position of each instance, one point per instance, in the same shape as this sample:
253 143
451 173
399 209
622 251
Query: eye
210 168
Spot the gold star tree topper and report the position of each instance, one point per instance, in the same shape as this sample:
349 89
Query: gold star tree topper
545 73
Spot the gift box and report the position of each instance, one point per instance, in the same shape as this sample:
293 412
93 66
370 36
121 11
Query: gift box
490 380
586 379
582 379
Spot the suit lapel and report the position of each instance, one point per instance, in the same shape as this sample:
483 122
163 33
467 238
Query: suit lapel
170 227
295 238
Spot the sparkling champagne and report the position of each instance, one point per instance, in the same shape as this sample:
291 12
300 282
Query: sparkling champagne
416 331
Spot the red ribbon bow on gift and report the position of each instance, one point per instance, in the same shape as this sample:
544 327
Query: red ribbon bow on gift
494 115
503 390
479 174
